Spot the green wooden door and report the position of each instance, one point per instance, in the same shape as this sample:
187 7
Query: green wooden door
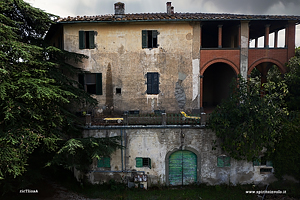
182 168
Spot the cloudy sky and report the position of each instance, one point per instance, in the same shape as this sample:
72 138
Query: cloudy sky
64 8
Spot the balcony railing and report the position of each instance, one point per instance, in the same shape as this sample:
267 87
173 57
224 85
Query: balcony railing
149 119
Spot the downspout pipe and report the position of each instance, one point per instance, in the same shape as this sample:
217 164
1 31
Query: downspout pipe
122 149
125 144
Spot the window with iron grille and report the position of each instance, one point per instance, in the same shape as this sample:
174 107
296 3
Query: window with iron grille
143 162
149 38
86 39
262 161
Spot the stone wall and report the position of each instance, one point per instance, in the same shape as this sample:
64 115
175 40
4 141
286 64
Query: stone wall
158 144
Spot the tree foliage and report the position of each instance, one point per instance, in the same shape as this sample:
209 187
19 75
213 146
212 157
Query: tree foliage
36 94
79 153
252 119
286 158
293 81
248 121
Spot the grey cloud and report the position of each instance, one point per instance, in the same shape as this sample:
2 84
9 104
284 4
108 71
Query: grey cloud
283 7
253 6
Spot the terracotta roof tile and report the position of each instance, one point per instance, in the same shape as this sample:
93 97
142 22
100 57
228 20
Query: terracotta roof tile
176 17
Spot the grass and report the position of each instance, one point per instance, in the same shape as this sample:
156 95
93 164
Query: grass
118 191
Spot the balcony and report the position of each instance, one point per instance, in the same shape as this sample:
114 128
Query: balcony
147 119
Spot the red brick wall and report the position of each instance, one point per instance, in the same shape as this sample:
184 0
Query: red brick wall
276 56
209 57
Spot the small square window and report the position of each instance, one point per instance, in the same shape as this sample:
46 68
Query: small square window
262 162
223 161
143 162
86 39
91 82
118 90
104 162
149 38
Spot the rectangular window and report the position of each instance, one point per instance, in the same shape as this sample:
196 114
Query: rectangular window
143 162
152 83
223 161
262 162
86 39
104 162
149 38
92 82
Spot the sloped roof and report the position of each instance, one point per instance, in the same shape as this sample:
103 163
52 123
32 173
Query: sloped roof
174 17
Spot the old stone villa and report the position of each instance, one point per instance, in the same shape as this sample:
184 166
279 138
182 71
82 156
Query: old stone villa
166 63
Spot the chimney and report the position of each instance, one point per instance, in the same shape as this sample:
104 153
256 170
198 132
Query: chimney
119 9
170 9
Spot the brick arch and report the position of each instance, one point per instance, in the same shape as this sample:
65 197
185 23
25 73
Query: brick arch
219 60
281 67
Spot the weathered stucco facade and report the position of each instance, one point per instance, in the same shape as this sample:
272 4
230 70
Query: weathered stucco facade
170 62
194 55
159 144
119 52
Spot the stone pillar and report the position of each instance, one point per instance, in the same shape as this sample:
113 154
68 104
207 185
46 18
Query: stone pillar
200 35
276 39
196 45
267 33
88 120
201 91
290 37
220 36
164 119
256 42
244 49
286 36
239 36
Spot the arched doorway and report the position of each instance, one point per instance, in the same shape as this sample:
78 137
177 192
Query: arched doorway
216 81
182 168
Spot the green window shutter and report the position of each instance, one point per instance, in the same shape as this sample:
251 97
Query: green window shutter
256 162
144 39
149 83
149 161
104 162
81 79
139 162
226 161
81 40
152 83
91 39
154 38
155 83
220 162
99 84
269 163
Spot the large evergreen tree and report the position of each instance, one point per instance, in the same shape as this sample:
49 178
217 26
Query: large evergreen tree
35 94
